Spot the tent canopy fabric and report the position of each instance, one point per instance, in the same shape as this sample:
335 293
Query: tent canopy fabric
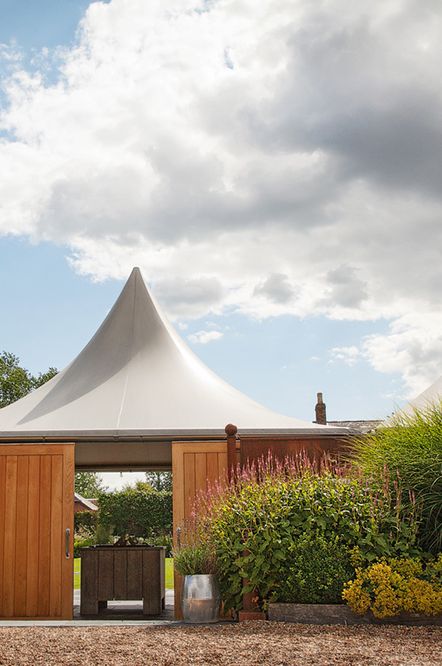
137 379
428 398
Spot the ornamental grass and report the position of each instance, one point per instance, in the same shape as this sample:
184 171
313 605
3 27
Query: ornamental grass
408 451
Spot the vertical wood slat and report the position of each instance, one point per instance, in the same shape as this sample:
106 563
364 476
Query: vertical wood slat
105 575
212 466
89 583
194 466
2 521
120 579
222 467
10 532
44 537
57 534
200 472
21 536
68 523
153 582
189 483
33 540
134 574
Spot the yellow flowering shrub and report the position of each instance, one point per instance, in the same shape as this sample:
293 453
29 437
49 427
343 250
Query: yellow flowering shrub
387 588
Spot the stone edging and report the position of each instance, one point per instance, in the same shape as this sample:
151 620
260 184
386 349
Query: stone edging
340 614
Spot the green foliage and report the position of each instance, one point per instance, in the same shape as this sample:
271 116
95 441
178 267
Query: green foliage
86 520
164 540
263 529
82 539
103 534
160 480
88 484
392 586
195 558
411 449
43 377
317 569
138 511
15 381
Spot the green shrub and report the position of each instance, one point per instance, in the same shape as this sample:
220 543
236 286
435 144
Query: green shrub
85 520
164 540
316 570
82 539
139 511
411 450
265 524
390 587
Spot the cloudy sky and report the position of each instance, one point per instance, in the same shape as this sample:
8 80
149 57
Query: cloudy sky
274 168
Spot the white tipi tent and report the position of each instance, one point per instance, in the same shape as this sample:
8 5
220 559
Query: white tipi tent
137 382
427 399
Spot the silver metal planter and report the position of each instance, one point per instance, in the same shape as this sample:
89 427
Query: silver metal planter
201 599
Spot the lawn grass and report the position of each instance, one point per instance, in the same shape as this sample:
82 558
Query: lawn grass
77 569
169 573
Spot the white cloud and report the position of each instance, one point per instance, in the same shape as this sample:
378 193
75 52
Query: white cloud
268 158
276 288
412 348
348 355
204 337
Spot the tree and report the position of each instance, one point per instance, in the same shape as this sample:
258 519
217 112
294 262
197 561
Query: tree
16 381
160 480
88 484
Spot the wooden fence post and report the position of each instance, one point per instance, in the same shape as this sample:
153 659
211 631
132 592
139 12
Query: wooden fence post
231 432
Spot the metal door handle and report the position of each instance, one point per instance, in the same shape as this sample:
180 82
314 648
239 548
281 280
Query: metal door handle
67 542
178 537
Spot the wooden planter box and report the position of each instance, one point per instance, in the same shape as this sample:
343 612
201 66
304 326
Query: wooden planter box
122 573
340 614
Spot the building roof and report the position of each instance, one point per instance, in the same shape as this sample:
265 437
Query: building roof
357 427
83 504
137 378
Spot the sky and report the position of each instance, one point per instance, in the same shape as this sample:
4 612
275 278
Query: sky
274 168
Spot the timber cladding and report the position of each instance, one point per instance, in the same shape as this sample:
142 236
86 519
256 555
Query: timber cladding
253 449
195 466
36 509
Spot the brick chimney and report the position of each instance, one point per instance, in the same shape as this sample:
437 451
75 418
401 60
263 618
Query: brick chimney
321 411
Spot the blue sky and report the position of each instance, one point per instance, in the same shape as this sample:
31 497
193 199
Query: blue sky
288 223
49 313
46 23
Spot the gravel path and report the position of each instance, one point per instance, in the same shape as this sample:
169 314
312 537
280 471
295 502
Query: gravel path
245 644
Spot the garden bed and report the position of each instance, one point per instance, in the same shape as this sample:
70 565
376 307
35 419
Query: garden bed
341 614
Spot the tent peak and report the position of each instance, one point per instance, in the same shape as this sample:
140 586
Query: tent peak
135 274
138 375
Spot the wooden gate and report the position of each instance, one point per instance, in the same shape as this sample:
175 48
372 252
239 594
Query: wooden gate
195 465
36 531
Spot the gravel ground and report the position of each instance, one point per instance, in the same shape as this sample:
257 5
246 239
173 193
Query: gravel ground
245 644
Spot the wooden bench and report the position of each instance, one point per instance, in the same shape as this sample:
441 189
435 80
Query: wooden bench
122 573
